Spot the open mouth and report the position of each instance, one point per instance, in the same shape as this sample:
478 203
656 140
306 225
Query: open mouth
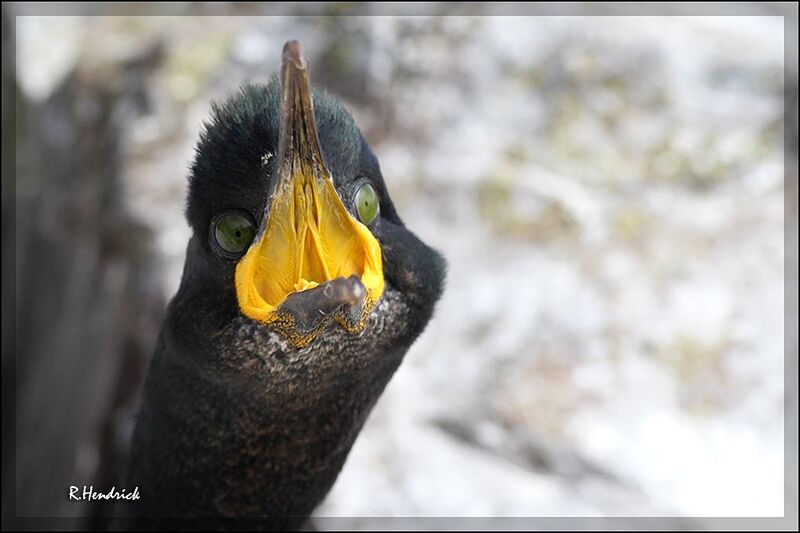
310 239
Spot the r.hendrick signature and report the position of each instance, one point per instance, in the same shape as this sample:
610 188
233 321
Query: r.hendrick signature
90 494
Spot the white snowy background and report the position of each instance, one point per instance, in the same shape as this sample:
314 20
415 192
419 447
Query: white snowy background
609 194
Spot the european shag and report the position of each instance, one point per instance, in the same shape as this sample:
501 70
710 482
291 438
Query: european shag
301 292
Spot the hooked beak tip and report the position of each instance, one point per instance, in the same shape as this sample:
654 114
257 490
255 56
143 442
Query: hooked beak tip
294 54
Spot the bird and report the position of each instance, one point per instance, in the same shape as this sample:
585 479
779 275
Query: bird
302 290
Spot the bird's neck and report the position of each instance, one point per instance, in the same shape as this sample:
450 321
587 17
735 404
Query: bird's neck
240 426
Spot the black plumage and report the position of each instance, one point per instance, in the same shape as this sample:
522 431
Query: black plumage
236 422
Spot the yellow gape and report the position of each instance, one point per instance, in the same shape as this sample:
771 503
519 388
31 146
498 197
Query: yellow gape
310 237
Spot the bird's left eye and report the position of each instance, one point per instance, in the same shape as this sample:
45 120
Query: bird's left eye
233 232
367 204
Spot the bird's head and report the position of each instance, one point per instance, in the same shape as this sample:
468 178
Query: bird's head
294 230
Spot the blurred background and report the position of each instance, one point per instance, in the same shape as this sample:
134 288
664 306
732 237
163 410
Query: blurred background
610 194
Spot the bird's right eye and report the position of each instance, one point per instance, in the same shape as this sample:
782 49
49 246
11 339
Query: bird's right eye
367 203
232 233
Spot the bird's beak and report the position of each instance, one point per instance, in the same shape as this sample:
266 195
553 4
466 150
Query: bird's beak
310 252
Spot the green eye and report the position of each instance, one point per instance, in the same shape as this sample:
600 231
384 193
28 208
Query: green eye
367 204
233 233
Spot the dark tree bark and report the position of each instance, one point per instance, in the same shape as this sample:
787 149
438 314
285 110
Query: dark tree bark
87 308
